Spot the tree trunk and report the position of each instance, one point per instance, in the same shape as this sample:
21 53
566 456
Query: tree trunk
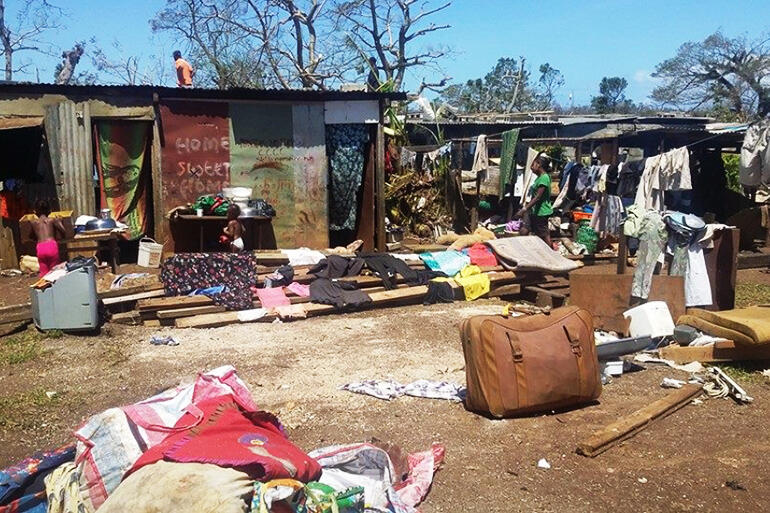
71 59
5 35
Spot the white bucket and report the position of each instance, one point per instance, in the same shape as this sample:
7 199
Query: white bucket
650 319
150 253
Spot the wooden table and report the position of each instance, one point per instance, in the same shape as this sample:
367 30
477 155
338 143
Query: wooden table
97 239
259 223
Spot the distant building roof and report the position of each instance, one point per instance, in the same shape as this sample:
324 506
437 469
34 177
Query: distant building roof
22 88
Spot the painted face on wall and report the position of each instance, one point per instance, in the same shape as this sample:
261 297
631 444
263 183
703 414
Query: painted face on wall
120 175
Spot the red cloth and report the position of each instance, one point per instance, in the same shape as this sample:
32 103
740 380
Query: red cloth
482 256
47 255
228 436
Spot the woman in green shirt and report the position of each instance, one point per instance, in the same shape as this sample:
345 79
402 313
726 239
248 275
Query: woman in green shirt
539 207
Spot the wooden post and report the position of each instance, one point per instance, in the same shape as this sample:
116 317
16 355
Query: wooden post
379 172
622 251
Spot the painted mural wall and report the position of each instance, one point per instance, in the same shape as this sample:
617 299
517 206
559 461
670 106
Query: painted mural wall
278 149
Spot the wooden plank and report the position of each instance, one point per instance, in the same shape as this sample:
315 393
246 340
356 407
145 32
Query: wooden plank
16 313
424 248
607 296
133 297
8 258
132 318
188 312
629 426
152 323
726 351
513 289
385 298
173 302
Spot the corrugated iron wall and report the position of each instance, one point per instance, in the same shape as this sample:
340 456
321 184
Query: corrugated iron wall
68 129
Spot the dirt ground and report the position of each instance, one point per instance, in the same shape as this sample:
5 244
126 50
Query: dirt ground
681 463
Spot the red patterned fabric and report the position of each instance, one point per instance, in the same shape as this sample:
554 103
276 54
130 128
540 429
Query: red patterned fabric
229 436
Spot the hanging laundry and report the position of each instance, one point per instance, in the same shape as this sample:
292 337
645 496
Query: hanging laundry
270 298
608 215
480 156
652 241
345 150
449 262
669 171
755 156
508 159
474 283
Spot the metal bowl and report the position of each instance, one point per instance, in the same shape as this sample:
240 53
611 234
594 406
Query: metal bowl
100 224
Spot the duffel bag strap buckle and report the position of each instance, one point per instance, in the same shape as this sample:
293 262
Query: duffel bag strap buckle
516 353
574 342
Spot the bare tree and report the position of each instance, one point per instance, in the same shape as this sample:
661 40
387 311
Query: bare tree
222 53
130 70
33 19
718 71
391 30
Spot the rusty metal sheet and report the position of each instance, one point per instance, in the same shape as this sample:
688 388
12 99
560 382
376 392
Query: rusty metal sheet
196 154
607 296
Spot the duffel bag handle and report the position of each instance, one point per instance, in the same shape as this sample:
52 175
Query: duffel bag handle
574 342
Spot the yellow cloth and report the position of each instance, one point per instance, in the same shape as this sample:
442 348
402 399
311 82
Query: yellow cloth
62 486
753 322
474 283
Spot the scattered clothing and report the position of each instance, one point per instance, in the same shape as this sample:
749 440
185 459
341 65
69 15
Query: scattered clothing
251 315
62 488
270 298
47 256
229 435
208 291
280 278
110 442
299 289
303 256
474 283
291 312
340 294
186 272
347 466
389 389
22 486
481 255
335 266
439 291
157 340
449 262
386 267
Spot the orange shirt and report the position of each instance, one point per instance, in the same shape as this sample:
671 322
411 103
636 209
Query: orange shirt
183 72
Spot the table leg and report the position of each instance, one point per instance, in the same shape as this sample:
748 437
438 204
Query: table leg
200 242
113 243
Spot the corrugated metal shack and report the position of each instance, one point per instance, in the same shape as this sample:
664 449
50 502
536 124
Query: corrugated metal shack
197 141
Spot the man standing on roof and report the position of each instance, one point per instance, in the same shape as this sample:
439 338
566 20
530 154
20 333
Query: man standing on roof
184 72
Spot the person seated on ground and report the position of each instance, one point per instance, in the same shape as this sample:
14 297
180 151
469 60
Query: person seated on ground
539 208
234 229
45 229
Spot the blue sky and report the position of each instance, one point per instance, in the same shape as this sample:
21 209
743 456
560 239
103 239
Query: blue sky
585 39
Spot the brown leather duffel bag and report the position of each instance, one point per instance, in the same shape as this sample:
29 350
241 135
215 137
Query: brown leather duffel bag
519 365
